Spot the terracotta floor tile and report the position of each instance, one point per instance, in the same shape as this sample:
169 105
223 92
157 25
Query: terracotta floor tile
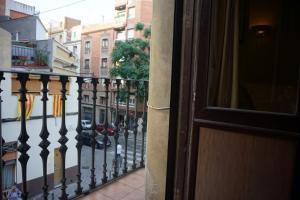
140 172
142 189
130 187
133 180
95 196
116 191
135 195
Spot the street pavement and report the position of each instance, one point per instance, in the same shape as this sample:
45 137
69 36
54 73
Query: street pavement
99 160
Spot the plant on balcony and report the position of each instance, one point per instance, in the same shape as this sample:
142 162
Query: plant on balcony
131 58
41 57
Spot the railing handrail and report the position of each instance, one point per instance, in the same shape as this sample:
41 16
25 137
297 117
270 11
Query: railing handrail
34 72
125 128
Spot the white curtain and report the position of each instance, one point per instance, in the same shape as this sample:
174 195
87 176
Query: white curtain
223 74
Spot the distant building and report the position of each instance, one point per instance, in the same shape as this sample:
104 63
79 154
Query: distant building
67 33
27 28
14 9
98 40
97 44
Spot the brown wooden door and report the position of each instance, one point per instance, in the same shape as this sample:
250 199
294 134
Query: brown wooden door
240 141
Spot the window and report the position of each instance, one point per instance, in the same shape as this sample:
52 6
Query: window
105 43
104 62
102 116
130 33
132 101
87 113
254 57
86 98
74 34
87 47
131 13
87 64
121 35
75 50
102 100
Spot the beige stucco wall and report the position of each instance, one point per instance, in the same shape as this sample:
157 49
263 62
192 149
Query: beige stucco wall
159 97
5 49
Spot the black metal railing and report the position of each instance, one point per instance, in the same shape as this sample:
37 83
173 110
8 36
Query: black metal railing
119 134
29 56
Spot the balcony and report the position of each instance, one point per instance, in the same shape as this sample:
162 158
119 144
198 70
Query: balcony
58 157
119 26
120 4
30 57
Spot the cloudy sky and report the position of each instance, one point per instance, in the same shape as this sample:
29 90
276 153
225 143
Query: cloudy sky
89 11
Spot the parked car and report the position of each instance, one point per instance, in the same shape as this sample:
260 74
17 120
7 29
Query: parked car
100 128
86 124
86 139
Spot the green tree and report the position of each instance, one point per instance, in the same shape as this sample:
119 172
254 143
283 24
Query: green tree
131 57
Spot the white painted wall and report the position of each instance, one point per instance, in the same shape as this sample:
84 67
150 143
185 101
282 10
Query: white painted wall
41 33
11 130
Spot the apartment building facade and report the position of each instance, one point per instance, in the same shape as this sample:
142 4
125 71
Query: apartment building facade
68 33
97 46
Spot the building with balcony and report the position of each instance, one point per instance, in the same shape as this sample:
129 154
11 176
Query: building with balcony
28 28
14 9
97 43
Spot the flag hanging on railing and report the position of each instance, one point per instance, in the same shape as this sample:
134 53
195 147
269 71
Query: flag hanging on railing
57 105
28 106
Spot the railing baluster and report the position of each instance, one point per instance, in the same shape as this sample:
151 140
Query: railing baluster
116 130
104 178
44 135
79 144
23 138
2 142
125 168
93 138
142 163
135 124
63 139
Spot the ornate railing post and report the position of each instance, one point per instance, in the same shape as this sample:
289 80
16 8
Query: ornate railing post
125 168
63 139
142 163
78 137
44 134
136 83
116 130
23 138
104 178
93 138
2 142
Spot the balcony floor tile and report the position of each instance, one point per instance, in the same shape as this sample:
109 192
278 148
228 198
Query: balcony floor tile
131 187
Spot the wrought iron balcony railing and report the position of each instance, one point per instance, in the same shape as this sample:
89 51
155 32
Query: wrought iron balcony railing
114 135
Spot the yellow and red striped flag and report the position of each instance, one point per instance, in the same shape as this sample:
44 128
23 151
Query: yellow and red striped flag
57 105
28 106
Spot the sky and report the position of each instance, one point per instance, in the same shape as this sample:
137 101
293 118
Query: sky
88 11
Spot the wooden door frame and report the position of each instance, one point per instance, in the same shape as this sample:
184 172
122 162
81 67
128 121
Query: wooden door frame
191 28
